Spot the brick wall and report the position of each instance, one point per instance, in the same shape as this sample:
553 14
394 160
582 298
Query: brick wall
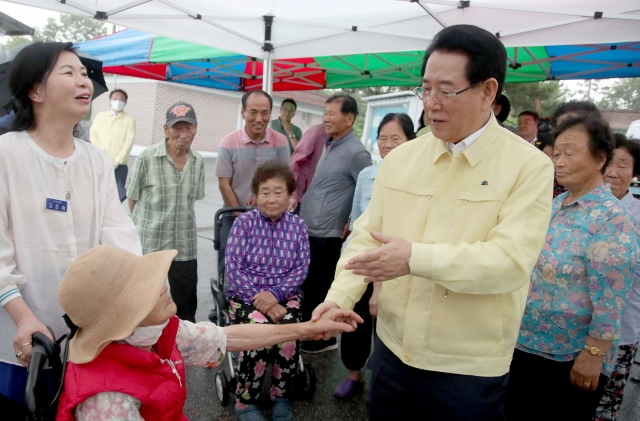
620 120
217 112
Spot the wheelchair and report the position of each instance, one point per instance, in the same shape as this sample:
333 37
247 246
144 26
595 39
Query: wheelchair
226 385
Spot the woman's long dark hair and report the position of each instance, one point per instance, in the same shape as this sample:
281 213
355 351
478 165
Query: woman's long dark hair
32 66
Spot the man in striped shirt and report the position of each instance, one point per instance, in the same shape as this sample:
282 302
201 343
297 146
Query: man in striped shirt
240 153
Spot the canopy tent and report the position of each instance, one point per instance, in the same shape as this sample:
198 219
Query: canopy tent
135 53
12 27
139 54
293 28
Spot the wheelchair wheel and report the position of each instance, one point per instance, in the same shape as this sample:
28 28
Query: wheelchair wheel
308 381
222 387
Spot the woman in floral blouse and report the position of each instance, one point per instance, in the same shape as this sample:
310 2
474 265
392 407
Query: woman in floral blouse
266 260
579 286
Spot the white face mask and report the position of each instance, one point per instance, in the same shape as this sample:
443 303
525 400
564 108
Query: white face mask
117 105
146 336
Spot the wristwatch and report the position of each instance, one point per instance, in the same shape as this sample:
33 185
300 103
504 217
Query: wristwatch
594 351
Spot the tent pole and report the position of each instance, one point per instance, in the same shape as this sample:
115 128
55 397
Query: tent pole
267 66
267 73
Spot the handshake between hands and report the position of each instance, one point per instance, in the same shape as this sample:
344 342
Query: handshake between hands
329 320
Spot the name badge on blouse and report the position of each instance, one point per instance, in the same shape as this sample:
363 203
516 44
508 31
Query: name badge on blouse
56 205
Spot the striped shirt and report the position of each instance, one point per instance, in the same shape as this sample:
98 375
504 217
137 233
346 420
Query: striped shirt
239 156
266 256
164 214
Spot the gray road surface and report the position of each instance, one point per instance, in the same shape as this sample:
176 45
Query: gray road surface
201 399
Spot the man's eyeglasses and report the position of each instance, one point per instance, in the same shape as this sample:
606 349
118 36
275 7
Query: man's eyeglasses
441 97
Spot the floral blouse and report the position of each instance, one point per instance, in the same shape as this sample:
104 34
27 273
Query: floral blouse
201 344
582 279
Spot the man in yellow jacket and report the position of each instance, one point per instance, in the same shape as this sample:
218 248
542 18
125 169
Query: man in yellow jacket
114 132
454 227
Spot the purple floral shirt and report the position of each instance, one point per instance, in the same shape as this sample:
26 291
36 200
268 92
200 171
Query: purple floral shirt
582 279
266 256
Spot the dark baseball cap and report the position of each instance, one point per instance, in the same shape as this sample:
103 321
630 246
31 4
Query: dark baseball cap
180 111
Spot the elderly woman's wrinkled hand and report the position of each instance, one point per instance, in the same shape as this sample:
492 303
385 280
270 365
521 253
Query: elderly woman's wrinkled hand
586 371
333 322
263 301
385 263
276 313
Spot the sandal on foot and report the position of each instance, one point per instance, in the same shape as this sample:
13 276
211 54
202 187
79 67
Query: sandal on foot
347 388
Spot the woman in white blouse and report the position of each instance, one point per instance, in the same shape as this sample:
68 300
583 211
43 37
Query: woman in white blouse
58 198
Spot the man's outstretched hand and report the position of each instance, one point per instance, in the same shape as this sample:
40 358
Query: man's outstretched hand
384 263
331 320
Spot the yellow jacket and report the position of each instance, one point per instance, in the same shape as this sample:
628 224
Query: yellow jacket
477 221
114 135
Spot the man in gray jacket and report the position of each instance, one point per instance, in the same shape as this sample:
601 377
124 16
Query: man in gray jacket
327 204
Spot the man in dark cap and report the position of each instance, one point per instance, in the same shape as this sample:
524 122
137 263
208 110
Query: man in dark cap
166 180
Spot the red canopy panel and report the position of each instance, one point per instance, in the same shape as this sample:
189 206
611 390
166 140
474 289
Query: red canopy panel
288 75
143 70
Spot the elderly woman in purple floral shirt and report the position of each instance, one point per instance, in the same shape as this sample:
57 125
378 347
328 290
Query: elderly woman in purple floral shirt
266 260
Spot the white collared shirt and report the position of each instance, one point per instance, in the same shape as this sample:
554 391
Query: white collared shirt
468 141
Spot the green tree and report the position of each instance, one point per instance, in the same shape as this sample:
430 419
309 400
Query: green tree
542 97
70 29
622 94
13 42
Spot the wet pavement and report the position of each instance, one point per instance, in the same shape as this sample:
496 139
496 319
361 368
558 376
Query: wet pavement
201 394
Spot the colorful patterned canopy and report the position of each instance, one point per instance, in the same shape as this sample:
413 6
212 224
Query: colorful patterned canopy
139 54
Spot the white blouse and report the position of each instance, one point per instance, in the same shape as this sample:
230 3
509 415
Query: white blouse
37 242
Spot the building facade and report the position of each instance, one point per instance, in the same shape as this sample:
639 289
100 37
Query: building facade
218 111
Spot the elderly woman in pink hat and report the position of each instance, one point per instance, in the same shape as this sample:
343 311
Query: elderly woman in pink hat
128 355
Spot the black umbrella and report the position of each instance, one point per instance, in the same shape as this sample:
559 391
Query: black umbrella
93 65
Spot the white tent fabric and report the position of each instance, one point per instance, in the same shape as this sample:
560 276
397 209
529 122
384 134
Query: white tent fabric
305 28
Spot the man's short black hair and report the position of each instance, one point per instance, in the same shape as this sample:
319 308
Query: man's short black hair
290 101
533 114
126 97
246 96
487 57
348 104
577 107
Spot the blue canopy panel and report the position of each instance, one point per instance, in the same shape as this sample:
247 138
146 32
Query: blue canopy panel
599 61
121 48
224 73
